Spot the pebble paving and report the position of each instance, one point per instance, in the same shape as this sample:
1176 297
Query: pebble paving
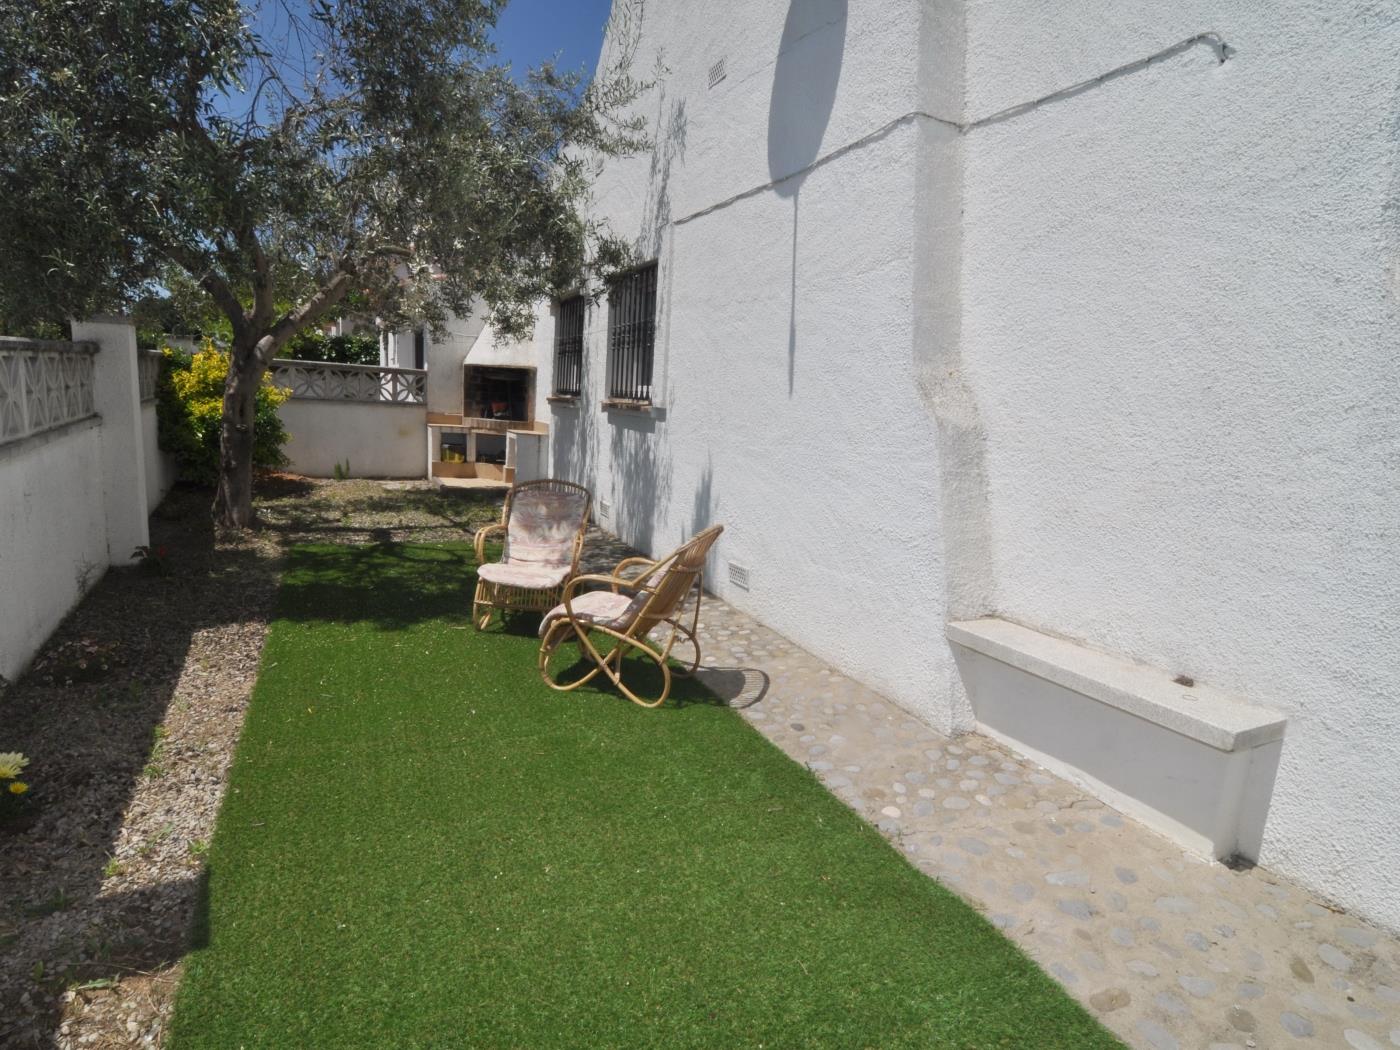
1169 950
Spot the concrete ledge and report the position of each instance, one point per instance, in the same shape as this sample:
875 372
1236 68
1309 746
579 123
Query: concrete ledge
1194 763
1199 712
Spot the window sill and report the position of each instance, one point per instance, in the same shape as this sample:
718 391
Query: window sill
616 404
568 400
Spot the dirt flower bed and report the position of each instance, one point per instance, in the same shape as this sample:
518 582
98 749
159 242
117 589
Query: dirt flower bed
129 717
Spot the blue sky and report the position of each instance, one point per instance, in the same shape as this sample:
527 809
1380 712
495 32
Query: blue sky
527 33
531 31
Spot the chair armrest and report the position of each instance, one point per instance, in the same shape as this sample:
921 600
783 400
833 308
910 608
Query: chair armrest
614 582
480 542
628 563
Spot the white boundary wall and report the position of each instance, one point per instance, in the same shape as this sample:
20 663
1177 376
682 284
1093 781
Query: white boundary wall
370 421
160 468
943 334
74 498
375 440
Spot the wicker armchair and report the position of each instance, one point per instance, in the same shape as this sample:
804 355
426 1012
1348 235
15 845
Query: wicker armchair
544 524
628 611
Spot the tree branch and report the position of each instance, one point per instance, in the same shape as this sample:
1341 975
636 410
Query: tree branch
215 285
264 305
326 297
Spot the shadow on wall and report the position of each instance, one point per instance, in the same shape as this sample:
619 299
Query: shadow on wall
670 148
571 428
641 481
805 78
702 514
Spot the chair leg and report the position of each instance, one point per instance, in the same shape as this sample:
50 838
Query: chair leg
615 675
689 635
551 641
483 599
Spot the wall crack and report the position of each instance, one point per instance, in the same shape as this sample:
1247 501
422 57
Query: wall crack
1222 51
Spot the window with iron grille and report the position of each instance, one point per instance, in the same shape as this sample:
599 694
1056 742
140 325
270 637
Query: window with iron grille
632 334
568 348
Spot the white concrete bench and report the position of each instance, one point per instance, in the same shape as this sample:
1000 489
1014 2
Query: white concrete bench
1194 763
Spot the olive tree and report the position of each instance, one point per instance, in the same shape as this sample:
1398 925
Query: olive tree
376 149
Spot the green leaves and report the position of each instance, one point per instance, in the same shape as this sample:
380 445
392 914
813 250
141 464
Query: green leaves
375 138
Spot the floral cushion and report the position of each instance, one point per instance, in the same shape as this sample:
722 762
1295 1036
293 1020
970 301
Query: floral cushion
600 607
528 577
542 528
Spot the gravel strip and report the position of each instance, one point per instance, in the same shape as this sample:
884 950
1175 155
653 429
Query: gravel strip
130 716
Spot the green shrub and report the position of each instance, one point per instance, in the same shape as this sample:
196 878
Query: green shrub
190 407
311 345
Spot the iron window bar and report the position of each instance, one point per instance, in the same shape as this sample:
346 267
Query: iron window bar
568 348
632 334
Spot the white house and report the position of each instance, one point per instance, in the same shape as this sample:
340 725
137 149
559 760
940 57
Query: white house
1041 361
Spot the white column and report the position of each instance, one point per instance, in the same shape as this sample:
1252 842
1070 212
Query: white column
117 398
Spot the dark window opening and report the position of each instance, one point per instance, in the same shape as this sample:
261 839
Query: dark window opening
632 334
568 348
420 346
498 393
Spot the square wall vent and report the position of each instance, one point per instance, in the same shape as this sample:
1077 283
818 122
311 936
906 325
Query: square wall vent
717 72
604 508
738 576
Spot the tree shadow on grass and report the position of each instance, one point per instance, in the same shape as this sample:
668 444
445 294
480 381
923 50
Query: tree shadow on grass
391 585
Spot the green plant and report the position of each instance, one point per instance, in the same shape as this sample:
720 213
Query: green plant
311 345
58 902
153 769
14 793
394 167
153 559
342 473
189 407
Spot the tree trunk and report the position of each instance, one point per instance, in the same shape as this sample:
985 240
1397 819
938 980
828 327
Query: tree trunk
233 502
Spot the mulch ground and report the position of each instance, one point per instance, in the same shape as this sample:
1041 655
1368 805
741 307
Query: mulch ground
129 716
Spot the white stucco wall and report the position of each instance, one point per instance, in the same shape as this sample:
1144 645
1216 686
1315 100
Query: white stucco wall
446 352
73 499
1180 326
384 440
53 534
779 204
1120 366
160 468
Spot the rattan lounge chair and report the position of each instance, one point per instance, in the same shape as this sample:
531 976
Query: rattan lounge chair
544 523
628 611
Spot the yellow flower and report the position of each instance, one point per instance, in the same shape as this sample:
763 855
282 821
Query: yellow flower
19 787
10 764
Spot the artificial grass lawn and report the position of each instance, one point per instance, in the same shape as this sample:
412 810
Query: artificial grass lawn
423 846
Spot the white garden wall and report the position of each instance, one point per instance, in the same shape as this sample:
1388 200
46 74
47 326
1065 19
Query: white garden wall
160 468
973 309
73 477
372 439
53 535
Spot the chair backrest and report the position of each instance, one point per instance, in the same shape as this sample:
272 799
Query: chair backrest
669 581
545 522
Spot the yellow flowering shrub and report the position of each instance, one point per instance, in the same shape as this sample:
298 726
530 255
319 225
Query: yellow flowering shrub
190 407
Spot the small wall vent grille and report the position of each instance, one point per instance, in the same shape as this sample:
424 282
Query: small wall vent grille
604 508
738 576
717 72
